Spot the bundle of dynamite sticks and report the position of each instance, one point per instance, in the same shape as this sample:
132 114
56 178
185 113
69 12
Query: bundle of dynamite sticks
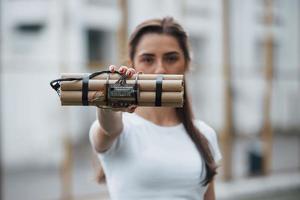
171 89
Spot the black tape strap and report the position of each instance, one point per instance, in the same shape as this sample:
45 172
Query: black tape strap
85 90
158 92
106 88
136 88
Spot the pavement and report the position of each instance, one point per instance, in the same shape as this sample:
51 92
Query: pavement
283 186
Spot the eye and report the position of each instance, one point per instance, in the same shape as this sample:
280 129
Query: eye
171 58
147 59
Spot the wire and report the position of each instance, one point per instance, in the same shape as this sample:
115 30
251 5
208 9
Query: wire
55 84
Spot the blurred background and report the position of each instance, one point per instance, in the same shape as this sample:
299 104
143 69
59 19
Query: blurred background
245 83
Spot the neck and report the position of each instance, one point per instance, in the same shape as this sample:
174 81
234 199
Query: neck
163 116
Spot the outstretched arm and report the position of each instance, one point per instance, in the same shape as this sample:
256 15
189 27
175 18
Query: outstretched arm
110 124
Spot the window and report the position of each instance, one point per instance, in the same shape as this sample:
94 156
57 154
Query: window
29 28
25 38
98 47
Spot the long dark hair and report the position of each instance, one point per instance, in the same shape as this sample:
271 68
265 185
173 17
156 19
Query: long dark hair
170 27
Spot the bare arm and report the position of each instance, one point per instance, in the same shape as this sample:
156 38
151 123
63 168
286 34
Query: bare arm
107 130
210 192
110 124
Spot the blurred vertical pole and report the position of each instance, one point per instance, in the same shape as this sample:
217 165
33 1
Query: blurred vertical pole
66 165
123 31
266 134
227 135
1 133
66 169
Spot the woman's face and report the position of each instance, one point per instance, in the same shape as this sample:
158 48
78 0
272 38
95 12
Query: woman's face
159 54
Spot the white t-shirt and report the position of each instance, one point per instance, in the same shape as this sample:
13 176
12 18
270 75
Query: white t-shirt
153 162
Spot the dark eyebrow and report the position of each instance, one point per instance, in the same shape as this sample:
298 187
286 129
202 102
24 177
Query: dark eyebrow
147 54
171 53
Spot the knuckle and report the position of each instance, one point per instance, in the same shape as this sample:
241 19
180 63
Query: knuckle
122 69
112 67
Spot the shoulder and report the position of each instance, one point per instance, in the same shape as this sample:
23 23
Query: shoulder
206 130
211 136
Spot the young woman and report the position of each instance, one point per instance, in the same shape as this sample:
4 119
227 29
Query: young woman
156 152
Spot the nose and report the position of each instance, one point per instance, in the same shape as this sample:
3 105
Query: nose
160 69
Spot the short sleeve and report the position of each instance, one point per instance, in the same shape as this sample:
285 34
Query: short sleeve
211 136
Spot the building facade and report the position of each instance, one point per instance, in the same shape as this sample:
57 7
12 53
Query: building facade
41 39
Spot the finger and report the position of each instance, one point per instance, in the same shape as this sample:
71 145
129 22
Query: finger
112 68
131 108
123 69
130 111
130 72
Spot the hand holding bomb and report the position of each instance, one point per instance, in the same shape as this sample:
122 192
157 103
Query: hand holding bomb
113 89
